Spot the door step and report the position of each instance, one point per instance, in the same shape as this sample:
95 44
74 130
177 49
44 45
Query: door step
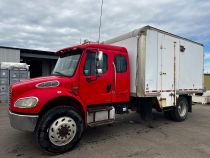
102 115
100 123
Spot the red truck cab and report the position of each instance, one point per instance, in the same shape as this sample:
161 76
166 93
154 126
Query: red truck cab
90 82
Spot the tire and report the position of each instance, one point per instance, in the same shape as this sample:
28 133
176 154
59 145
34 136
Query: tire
59 129
180 111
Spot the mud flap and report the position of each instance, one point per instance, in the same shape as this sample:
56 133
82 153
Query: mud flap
146 111
189 99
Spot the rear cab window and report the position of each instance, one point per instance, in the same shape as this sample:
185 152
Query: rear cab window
120 63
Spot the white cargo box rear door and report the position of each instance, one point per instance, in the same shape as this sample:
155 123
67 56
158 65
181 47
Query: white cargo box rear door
190 68
167 66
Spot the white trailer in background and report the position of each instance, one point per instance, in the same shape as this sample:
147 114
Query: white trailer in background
163 65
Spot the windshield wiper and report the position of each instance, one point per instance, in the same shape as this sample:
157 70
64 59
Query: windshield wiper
59 73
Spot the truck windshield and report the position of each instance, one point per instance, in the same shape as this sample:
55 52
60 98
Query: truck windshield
67 64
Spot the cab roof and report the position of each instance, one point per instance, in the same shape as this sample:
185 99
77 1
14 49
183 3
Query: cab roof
92 45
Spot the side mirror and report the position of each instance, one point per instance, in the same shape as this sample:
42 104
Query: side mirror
99 63
100 56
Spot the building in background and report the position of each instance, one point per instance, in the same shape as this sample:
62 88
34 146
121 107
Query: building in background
41 62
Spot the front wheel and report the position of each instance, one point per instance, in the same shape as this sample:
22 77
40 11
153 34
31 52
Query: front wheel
180 111
60 129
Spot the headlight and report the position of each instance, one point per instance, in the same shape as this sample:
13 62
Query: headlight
28 102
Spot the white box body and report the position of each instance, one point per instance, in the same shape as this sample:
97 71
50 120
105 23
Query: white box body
158 64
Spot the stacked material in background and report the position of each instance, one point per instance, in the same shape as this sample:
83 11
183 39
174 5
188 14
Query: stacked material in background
203 99
11 73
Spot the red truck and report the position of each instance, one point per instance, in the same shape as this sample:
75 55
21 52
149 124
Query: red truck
89 84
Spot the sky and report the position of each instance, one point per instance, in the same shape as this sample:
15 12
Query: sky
53 24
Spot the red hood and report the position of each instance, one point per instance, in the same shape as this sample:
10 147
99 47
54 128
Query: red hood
31 83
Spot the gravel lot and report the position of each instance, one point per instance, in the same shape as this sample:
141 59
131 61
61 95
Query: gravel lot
128 137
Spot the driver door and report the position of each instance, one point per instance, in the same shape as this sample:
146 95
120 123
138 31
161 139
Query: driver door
95 89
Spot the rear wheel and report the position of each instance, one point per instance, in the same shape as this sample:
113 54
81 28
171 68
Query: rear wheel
180 111
60 129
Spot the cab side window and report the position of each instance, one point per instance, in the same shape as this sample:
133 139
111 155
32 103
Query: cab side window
120 63
90 64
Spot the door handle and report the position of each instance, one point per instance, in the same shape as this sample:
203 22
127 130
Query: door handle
92 78
108 88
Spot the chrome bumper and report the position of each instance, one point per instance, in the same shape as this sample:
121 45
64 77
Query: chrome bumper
23 122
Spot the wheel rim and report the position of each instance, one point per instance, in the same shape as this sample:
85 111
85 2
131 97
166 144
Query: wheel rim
182 108
62 131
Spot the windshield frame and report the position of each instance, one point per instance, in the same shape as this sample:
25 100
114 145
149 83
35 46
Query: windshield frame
66 54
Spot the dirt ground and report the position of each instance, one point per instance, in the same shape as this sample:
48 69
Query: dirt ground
128 137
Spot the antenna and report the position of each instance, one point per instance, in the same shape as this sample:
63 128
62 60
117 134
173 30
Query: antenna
99 29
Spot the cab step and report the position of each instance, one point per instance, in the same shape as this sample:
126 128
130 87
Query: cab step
102 115
100 123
